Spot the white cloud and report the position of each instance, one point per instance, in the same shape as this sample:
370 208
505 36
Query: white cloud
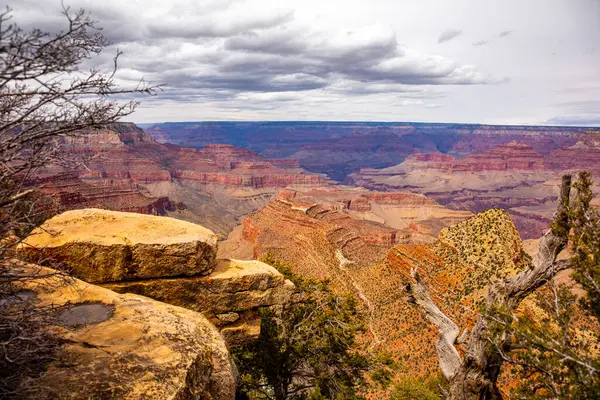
349 59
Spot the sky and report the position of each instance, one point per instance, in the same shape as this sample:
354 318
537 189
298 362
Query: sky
471 61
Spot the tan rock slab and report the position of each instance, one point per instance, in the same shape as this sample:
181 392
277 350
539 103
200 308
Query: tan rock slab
234 286
122 346
108 246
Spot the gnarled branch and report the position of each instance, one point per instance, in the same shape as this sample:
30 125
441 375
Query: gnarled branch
448 355
474 377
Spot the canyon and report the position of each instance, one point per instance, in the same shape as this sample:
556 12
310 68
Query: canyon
340 148
356 204
122 168
462 166
513 176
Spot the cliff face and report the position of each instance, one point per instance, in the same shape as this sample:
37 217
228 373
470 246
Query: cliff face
512 176
123 168
340 148
584 155
128 347
123 151
317 239
162 258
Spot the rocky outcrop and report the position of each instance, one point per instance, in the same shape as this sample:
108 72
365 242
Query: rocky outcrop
163 258
229 296
458 268
107 246
128 347
310 230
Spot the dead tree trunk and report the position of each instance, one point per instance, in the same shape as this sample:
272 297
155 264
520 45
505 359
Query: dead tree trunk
474 375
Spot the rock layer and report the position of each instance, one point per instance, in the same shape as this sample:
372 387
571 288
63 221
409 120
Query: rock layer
163 258
229 296
340 148
122 168
129 347
107 246
514 177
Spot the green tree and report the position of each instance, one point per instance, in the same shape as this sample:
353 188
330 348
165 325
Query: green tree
560 354
306 349
408 388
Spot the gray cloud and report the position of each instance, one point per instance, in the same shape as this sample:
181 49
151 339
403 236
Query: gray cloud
332 59
449 34
575 120
193 27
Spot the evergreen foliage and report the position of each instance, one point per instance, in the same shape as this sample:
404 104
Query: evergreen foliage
306 349
559 356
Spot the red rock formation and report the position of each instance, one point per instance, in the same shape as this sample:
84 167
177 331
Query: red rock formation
225 154
119 166
514 155
510 156
584 155
123 151
341 148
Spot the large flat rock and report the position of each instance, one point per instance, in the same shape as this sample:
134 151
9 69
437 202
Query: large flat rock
229 296
123 346
108 246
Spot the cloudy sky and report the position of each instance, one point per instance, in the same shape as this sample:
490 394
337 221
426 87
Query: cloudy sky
493 61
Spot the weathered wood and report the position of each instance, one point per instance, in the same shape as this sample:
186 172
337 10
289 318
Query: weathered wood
474 376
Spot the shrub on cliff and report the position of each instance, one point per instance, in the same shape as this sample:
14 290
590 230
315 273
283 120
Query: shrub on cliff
556 351
559 352
305 349
413 388
44 96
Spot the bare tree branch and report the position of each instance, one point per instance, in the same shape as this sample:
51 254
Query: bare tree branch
474 376
449 358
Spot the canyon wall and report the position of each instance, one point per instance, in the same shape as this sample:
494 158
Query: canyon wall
340 148
121 167
513 176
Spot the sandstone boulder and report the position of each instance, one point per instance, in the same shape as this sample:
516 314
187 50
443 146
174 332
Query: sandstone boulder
108 246
165 259
122 346
229 296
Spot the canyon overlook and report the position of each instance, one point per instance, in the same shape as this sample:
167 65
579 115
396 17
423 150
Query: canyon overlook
242 200
129 346
464 167
123 168
364 242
